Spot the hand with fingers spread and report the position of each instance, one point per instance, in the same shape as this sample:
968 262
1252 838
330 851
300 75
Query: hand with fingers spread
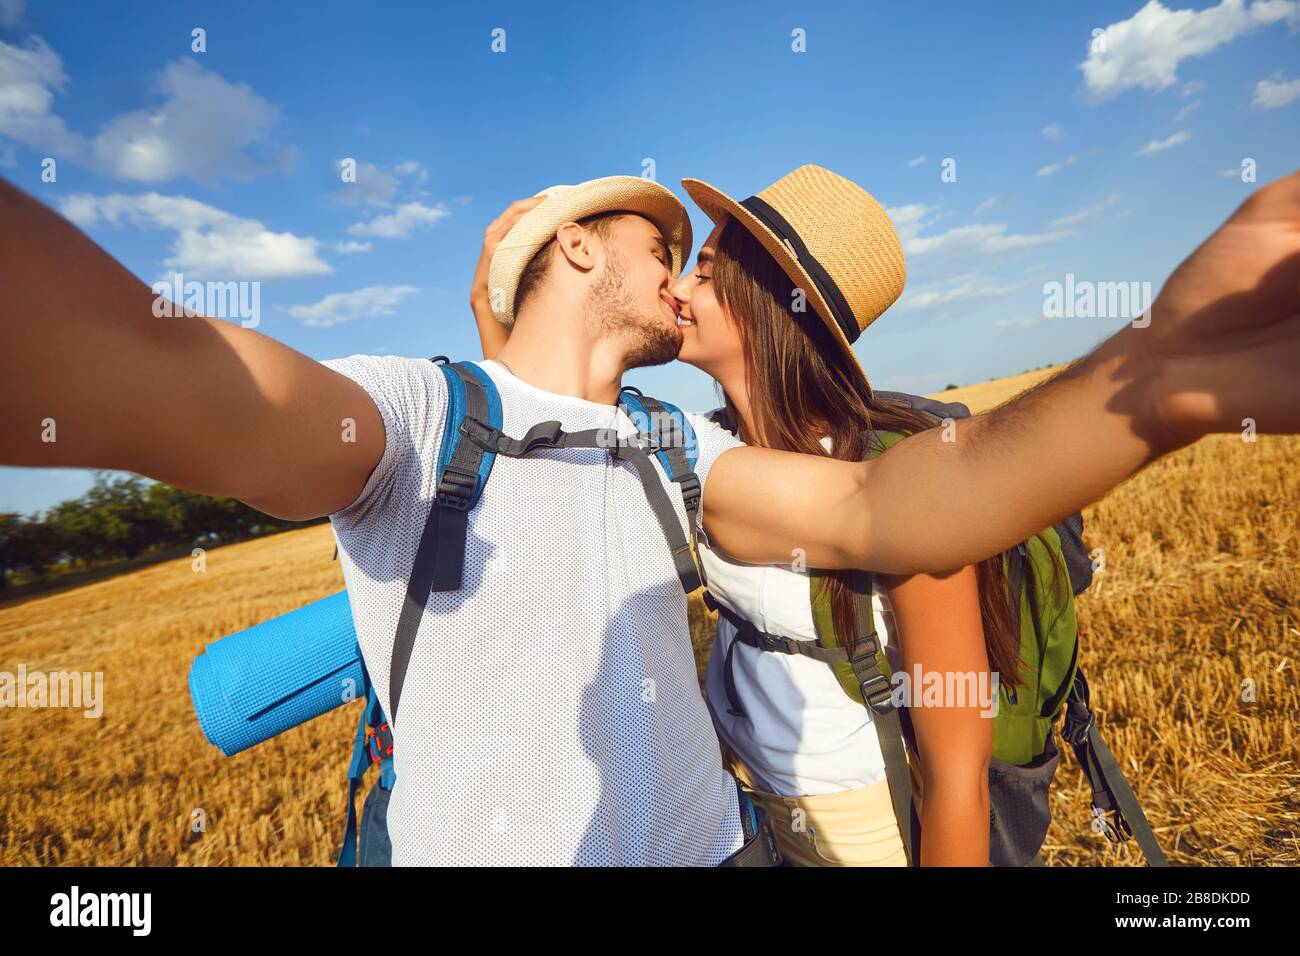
1224 338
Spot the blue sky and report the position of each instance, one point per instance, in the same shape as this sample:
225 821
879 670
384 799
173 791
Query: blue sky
1110 164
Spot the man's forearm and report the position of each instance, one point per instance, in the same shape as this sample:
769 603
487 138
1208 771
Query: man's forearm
973 487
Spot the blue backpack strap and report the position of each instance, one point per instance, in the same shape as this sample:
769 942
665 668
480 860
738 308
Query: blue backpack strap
463 466
463 469
366 750
672 437
674 441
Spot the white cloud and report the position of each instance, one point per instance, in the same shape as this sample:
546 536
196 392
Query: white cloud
990 238
964 289
339 307
412 170
400 223
1192 87
1275 92
373 186
916 162
351 247
986 205
1160 145
376 186
1051 168
907 219
956 271
209 243
203 129
1054 131
30 76
1187 111
1083 215
1144 51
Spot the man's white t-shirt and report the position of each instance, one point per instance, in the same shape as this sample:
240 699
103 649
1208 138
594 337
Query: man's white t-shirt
550 713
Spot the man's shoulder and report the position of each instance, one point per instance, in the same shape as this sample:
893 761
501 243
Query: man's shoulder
391 375
391 364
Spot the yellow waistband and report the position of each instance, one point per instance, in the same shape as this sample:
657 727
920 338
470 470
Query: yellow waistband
848 828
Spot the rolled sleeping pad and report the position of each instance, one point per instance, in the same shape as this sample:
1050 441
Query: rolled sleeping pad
254 684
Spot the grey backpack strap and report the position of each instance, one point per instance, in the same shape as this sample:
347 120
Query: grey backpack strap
931 406
440 557
878 695
746 633
1111 793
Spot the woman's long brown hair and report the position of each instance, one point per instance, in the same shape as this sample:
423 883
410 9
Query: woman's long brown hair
803 386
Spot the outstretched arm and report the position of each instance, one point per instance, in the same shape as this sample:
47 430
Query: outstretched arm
193 401
1222 346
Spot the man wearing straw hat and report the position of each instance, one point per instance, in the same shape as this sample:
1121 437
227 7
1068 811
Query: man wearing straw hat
551 712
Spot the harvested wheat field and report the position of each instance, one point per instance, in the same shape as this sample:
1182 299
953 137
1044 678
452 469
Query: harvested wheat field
1191 645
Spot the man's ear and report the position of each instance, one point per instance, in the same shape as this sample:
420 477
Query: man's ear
575 244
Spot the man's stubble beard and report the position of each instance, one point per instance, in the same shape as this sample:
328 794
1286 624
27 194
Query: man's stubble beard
611 307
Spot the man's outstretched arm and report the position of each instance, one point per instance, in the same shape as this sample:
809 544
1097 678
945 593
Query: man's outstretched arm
1222 346
193 401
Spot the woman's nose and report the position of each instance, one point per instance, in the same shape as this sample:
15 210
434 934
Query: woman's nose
680 289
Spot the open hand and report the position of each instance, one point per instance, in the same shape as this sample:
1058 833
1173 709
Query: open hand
1225 329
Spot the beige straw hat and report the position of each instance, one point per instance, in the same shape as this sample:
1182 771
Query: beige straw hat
535 228
831 237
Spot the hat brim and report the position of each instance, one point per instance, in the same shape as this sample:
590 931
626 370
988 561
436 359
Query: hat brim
717 205
629 194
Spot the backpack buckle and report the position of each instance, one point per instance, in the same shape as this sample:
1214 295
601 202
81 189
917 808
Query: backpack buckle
690 486
878 694
485 436
774 643
379 742
456 488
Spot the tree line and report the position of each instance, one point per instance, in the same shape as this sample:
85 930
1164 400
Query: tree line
123 517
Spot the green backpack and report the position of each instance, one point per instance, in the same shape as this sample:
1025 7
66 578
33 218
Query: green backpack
1044 574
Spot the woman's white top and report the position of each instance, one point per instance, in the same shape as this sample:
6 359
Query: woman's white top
803 733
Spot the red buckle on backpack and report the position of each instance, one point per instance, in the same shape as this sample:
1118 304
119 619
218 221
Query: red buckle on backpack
379 741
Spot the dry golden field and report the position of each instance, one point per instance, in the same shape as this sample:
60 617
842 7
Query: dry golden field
1200 597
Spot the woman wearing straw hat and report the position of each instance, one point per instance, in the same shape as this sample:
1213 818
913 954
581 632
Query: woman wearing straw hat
784 283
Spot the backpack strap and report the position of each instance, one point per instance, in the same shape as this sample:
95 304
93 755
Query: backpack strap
746 633
375 746
1111 793
669 432
472 438
676 445
463 469
870 667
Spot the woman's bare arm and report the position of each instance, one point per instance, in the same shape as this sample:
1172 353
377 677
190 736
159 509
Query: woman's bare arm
938 621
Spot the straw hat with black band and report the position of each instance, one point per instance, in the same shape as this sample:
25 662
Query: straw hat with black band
831 238
630 194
